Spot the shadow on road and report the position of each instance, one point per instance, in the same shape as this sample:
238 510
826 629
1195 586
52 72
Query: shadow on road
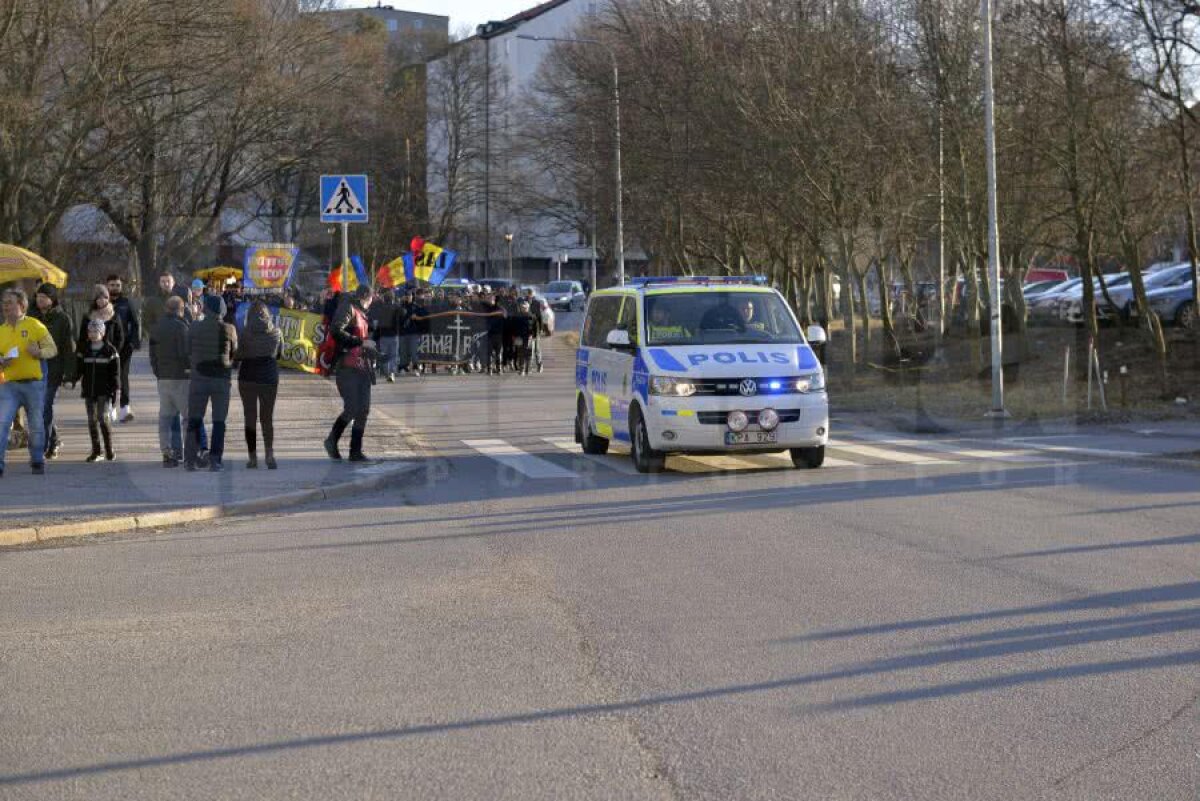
1025 640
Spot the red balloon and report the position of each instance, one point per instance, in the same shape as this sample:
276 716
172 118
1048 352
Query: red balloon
417 244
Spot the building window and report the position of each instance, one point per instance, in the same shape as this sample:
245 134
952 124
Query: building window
418 24
393 25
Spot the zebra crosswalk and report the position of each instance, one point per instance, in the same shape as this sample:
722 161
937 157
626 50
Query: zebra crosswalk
543 458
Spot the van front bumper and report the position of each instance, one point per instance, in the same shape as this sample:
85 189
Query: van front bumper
698 424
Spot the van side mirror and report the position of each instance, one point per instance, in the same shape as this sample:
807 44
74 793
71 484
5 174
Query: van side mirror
618 339
815 335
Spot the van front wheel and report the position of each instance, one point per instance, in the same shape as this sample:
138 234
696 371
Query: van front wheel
645 458
808 458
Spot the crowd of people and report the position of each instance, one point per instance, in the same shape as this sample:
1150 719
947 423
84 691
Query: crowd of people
516 322
196 347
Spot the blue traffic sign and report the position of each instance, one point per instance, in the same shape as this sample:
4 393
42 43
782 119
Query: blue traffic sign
344 198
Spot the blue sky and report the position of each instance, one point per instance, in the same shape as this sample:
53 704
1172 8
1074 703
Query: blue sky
464 14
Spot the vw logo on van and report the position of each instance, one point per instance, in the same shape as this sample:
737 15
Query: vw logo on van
748 387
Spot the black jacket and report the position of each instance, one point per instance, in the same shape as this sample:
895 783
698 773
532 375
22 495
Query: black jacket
128 317
170 349
63 367
212 341
100 372
114 333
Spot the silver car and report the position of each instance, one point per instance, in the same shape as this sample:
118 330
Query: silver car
565 295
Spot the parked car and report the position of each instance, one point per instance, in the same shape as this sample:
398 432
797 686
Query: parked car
1071 309
1043 308
1038 287
565 295
1174 304
1122 296
1046 274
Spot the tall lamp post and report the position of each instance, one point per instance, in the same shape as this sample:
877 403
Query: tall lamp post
616 75
989 122
509 238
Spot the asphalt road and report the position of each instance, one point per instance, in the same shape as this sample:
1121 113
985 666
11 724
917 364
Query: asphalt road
921 620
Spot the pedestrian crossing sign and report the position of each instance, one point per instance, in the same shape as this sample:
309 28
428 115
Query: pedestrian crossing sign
344 198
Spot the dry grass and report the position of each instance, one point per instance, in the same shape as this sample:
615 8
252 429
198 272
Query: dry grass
955 385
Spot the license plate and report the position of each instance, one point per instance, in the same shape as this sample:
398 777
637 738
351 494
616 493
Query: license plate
751 437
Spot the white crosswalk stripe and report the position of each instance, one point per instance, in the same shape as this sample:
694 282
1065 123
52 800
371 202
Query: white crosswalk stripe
951 449
524 463
613 461
887 455
874 451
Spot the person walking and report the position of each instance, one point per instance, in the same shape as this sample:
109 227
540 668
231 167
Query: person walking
383 320
24 343
154 307
62 369
212 343
100 368
114 330
170 360
353 372
538 310
133 339
258 380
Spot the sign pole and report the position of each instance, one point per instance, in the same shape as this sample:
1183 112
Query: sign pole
345 253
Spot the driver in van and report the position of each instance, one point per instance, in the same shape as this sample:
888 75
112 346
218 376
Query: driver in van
662 327
746 310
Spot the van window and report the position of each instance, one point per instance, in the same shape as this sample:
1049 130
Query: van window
602 318
629 319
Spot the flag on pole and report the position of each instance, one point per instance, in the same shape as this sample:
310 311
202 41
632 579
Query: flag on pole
348 280
431 265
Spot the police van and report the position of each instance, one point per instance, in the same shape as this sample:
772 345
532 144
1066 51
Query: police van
701 365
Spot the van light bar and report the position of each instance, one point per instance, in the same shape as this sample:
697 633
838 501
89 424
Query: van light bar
660 280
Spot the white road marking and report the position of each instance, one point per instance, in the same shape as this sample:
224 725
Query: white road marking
886 455
524 463
1075 449
953 450
613 461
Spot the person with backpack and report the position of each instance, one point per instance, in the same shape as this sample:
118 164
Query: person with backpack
212 345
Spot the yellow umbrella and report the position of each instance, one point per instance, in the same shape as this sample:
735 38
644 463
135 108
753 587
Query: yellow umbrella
17 264
218 273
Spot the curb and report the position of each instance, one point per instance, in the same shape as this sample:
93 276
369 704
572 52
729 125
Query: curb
26 535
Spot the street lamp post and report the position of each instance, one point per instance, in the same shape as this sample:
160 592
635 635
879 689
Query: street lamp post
616 76
989 122
509 238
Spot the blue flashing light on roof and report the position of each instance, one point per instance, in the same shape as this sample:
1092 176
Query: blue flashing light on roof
662 280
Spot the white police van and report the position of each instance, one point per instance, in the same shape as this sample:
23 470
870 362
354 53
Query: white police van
698 365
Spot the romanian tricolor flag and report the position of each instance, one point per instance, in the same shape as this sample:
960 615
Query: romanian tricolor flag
391 275
348 280
430 266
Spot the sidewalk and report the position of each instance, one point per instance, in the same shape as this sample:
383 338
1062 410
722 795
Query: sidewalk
136 483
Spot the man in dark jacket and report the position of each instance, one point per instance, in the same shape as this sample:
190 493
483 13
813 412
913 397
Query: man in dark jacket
212 343
62 369
170 359
133 338
154 307
382 318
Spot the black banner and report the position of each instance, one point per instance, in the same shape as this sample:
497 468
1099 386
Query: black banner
455 337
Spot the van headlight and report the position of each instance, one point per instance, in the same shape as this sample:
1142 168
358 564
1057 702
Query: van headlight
814 382
671 387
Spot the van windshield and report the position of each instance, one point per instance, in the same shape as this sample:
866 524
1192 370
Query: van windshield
719 318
